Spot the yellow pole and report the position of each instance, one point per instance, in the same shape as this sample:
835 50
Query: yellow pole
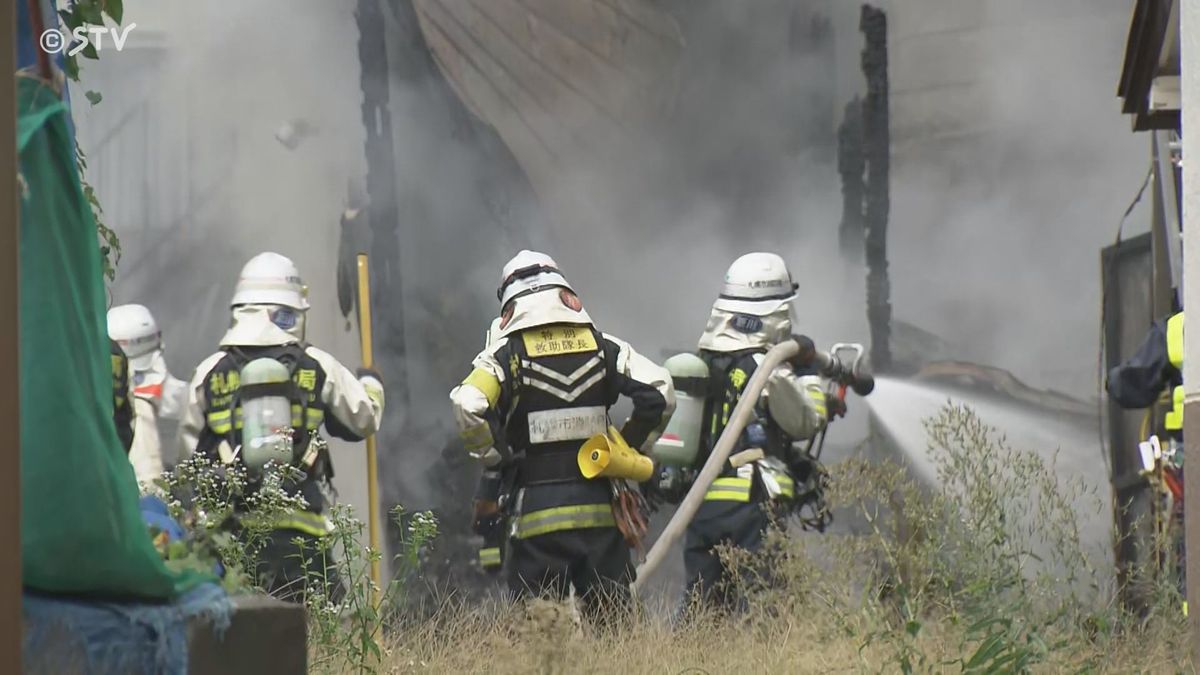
364 331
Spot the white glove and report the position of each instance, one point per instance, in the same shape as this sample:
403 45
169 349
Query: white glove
490 457
374 389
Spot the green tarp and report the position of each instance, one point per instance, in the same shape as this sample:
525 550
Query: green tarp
81 530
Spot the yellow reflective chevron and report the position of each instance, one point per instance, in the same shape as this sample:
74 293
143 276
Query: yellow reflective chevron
729 489
486 382
561 518
313 418
489 557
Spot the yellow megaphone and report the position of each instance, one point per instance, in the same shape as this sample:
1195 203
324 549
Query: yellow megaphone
609 456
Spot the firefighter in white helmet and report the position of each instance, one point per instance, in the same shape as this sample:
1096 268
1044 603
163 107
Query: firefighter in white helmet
269 306
542 386
752 314
155 393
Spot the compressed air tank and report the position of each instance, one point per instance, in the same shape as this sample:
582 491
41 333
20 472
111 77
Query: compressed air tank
680 442
266 413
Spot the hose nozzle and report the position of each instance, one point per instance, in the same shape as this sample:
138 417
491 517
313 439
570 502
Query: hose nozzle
844 364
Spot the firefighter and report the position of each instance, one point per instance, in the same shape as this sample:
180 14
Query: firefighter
752 314
1155 368
540 389
155 392
269 307
1155 372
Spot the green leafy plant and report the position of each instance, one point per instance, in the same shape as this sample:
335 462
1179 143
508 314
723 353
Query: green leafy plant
346 622
88 13
229 515
93 13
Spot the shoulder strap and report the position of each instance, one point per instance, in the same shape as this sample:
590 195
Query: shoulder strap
290 355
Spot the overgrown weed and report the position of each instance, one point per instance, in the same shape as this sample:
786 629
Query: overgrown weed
984 572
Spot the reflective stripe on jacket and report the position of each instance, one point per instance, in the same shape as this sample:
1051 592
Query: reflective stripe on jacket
1174 418
556 519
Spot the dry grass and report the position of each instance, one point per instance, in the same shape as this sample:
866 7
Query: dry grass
944 580
504 640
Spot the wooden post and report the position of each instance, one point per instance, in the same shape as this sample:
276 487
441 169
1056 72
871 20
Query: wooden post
877 144
851 166
10 432
1190 70
368 359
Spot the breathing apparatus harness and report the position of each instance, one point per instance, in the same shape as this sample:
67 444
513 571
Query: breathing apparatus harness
310 450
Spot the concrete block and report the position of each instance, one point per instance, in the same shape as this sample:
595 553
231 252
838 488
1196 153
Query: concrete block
266 636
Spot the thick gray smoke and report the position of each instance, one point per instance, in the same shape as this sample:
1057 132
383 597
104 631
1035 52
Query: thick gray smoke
1012 165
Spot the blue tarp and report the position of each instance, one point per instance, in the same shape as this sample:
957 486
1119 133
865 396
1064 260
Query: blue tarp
64 635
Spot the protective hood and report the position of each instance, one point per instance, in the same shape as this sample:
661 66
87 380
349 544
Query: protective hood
541 309
147 362
151 380
732 332
252 327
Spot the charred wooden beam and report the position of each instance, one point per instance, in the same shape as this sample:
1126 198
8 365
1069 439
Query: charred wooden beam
877 154
851 166
382 212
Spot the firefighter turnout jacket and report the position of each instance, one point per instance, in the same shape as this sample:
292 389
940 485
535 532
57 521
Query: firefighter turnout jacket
328 394
535 395
1154 369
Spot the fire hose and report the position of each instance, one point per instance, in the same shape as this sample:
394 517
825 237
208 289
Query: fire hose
800 350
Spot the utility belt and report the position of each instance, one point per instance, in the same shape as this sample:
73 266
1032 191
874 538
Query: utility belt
541 467
624 510
549 467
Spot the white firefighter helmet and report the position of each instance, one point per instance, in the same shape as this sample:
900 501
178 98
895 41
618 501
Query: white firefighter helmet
134 328
528 272
270 279
757 284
